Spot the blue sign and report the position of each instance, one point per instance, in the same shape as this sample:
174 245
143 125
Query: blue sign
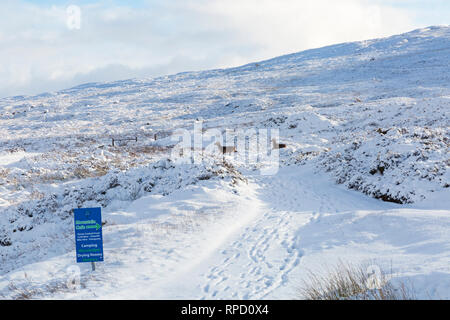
88 234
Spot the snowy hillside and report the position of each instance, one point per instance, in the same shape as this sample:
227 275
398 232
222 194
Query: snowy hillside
364 176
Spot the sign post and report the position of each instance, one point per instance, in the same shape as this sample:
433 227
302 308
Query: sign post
88 235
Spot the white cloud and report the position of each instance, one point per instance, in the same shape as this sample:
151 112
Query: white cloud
281 26
39 53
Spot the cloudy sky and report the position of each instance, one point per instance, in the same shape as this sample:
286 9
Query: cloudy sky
50 45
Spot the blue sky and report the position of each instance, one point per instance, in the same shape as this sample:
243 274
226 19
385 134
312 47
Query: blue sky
127 39
426 13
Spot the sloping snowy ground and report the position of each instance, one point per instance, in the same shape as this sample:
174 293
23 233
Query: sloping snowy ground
371 116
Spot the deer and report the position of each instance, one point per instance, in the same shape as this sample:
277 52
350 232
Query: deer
226 149
278 145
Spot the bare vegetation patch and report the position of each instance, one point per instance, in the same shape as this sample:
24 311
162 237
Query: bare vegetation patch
161 177
147 150
28 289
353 282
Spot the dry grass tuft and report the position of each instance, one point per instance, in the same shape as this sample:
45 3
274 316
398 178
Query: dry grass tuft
354 282
30 290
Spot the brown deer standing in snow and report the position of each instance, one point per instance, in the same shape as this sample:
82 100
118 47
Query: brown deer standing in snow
226 149
278 145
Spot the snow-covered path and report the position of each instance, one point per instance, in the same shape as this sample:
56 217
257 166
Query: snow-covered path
256 261
260 258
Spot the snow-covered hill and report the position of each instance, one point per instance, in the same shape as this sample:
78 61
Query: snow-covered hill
370 116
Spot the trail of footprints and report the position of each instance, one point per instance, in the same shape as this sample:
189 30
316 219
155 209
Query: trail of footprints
246 264
264 254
